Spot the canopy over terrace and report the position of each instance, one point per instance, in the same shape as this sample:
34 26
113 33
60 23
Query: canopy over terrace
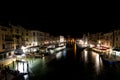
103 49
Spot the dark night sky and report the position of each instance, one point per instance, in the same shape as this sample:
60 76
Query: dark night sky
65 21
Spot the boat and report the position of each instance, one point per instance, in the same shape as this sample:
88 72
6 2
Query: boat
56 49
109 61
18 52
80 46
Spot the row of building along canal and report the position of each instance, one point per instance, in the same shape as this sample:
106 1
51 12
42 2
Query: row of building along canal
70 63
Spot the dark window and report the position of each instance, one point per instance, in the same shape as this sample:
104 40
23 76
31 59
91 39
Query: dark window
3 46
33 33
22 33
26 34
26 39
17 31
116 38
2 37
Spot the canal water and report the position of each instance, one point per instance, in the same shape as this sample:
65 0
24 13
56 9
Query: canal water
74 64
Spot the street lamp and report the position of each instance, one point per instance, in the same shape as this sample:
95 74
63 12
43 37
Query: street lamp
99 42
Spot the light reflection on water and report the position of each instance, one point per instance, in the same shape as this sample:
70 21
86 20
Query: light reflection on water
74 51
59 55
22 68
86 63
94 58
32 64
85 55
64 53
97 61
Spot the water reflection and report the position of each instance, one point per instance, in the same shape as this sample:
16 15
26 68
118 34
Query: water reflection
22 68
85 55
92 59
74 51
97 62
34 66
64 53
59 55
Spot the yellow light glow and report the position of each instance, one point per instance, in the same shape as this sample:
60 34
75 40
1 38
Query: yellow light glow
99 42
91 45
74 51
85 55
